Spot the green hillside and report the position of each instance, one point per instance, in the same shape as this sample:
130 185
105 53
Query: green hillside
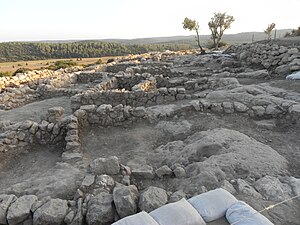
16 51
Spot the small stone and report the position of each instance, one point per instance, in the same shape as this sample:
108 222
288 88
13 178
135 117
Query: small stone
5 202
181 90
100 210
176 196
125 170
104 182
20 209
245 188
88 181
179 172
88 108
143 172
125 200
163 171
109 166
139 111
53 212
69 217
228 108
152 198
228 187
240 107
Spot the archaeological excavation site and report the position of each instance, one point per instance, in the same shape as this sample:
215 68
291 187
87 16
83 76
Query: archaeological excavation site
161 138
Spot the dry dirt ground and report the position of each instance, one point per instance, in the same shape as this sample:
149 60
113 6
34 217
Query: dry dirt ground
35 110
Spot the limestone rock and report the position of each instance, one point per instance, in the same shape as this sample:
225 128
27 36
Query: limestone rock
177 195
245 188
163 171
152 198
20 209
179 172
88 181
5 202
53 212
125 199
109 166
226 185
240 107
104 182
272 189
100 210
143 172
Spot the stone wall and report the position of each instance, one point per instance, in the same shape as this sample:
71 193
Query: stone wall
131 98
40 85
53 129
280 59
32 76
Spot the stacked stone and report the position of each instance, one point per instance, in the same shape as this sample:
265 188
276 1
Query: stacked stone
90 76
70 123
288 109
25 133
284 59
29 88
14 97
131 98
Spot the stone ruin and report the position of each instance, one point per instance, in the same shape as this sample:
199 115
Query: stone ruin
147 130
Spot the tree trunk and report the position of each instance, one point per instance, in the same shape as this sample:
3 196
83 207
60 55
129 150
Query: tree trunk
198 41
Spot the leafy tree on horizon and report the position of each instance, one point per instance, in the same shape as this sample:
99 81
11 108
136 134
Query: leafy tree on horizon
191 25
269 30
217 25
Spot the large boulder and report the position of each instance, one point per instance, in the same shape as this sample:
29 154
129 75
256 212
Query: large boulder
53 212
272 189
125 199
5 201
152 198
20 209
100 210
221 149
109 166
60 181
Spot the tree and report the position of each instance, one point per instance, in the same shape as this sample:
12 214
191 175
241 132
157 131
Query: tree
217 25
191 25
269 30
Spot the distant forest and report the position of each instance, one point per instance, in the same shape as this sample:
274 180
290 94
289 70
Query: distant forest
16 51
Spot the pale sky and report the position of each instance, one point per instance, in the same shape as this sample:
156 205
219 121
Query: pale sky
96 19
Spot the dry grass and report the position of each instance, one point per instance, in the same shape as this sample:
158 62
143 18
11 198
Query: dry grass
38 64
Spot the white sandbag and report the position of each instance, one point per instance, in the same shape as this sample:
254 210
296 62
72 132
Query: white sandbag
177 213
141 218
241 213
294 76
213 205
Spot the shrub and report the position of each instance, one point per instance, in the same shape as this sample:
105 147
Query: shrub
62 64
99 61
5 74
110 60
210 44
21 70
